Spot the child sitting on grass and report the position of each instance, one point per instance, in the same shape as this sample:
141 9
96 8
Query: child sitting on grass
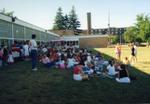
46 61
78 74
123 75
126 61
111 69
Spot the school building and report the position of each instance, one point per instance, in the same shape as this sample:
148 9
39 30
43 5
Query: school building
87 41
13 29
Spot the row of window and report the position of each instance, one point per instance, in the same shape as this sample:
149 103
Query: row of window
21 32
116 31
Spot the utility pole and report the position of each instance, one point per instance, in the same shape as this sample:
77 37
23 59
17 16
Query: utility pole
109 27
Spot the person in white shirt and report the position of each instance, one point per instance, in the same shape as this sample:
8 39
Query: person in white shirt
44 49
71 62
33 48
111 69
26 50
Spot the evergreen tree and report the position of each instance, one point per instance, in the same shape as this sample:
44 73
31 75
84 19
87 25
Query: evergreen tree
73 21
59 20
66 22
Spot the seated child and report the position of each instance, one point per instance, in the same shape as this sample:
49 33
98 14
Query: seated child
46 61
126 61
123 75
62 64
71 62
88 68
78 74
111 69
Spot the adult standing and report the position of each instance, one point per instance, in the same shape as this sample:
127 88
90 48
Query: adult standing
135 52
133 57
33 48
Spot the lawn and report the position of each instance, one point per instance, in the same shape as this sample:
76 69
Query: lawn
143 56
20 85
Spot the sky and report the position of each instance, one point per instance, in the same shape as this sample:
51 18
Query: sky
42 12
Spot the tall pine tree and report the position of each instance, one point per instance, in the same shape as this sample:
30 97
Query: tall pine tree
73 20
59 20
66 22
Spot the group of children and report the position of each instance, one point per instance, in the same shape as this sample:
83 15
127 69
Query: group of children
84 63
5 56
18 51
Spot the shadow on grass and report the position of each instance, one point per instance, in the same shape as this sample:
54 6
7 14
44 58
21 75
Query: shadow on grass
140 85
20 85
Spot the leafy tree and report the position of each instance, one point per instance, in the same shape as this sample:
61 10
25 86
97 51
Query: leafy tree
148 42
130 35
73 20
59 20
143 26
141 31
138 40
115 39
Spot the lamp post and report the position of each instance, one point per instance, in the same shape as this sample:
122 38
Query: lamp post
109 41
120 37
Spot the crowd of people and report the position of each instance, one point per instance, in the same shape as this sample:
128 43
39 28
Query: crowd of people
82 62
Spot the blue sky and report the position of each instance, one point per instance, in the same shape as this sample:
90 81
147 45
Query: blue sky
42 12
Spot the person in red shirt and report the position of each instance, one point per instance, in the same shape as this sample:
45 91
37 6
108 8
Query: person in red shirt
78 74
118 51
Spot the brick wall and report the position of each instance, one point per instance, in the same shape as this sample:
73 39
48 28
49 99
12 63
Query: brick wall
68 32
93 42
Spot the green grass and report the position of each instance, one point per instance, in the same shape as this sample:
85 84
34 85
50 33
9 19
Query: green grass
143 56
20 85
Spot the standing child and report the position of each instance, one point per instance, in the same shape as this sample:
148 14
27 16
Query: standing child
26 50
10 58
1 54
118 51
5 56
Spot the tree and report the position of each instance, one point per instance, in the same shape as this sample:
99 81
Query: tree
73 20
138 40
130 35
66 22
114 39
59 20
141 31
143 26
